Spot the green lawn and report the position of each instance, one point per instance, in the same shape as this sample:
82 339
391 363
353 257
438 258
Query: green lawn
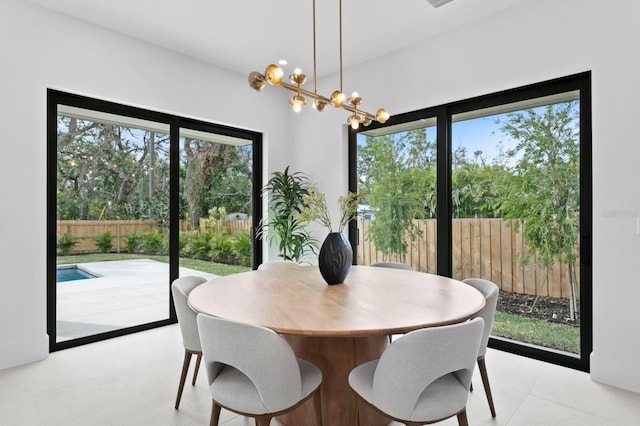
539 332
200 265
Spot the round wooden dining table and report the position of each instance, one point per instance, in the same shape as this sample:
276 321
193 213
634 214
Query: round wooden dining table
337 327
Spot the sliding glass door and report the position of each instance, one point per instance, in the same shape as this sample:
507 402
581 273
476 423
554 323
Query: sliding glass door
137 198
510 185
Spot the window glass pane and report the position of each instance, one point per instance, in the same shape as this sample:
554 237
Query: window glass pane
515 196
112 222
216 184
397 222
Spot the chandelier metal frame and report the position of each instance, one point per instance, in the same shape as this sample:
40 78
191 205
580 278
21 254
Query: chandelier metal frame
274 76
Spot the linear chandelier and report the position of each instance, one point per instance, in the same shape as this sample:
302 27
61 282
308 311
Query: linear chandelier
274 76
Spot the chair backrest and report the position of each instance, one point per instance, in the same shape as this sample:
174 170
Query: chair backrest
278 264
395 265
490 291
262 355
180 289
414 361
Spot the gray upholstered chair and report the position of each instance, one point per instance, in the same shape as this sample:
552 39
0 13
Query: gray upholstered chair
490 291
253 371
180 289
395 265
422 377
278 264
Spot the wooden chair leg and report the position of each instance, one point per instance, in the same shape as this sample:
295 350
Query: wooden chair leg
195 372
485 382
462 417
317 405
215 414
183 376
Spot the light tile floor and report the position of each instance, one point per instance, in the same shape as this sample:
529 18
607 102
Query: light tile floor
132 380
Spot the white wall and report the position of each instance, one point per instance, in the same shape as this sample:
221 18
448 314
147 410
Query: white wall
531 42
39 50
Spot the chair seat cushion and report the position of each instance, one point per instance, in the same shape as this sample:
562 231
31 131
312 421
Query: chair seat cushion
232 388
311 377
361 379
441 399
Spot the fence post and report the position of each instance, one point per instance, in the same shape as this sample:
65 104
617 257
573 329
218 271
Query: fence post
117 237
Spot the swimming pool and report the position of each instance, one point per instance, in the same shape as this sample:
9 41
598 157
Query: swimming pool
72 273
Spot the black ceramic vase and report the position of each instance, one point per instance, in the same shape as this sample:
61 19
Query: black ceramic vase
335 257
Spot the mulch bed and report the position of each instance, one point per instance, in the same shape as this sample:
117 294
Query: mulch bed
552 309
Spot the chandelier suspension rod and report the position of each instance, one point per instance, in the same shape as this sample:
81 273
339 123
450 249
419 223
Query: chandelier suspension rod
315 79
340 45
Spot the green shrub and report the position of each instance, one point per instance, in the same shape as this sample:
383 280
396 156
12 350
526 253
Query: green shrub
223 249
242 248
186 239
104 242
66 243
133 241
217 246
200 246
153 243
211 223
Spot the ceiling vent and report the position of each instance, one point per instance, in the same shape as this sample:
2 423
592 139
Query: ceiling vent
438 3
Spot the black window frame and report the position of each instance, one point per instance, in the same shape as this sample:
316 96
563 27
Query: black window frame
175 122
443 114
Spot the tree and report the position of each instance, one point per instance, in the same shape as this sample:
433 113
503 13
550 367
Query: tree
398 172
477 186
215 174
543 195
108 171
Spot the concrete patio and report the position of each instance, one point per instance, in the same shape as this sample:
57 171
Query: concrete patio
125 293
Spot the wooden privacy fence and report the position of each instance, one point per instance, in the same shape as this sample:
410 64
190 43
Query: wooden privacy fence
84 231
482 248
234 227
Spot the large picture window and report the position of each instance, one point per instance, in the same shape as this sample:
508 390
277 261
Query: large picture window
496 187
136 199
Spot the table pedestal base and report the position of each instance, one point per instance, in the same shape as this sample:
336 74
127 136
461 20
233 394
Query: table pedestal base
336 357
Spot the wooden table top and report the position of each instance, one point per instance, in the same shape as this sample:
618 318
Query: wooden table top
371 301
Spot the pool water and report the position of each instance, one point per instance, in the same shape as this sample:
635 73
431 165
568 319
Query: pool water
72 273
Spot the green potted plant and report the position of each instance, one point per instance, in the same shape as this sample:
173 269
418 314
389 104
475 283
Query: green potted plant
286 192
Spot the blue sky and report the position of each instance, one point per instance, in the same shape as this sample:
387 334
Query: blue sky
481 134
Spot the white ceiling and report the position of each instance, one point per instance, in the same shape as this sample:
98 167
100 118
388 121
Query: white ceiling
247 35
